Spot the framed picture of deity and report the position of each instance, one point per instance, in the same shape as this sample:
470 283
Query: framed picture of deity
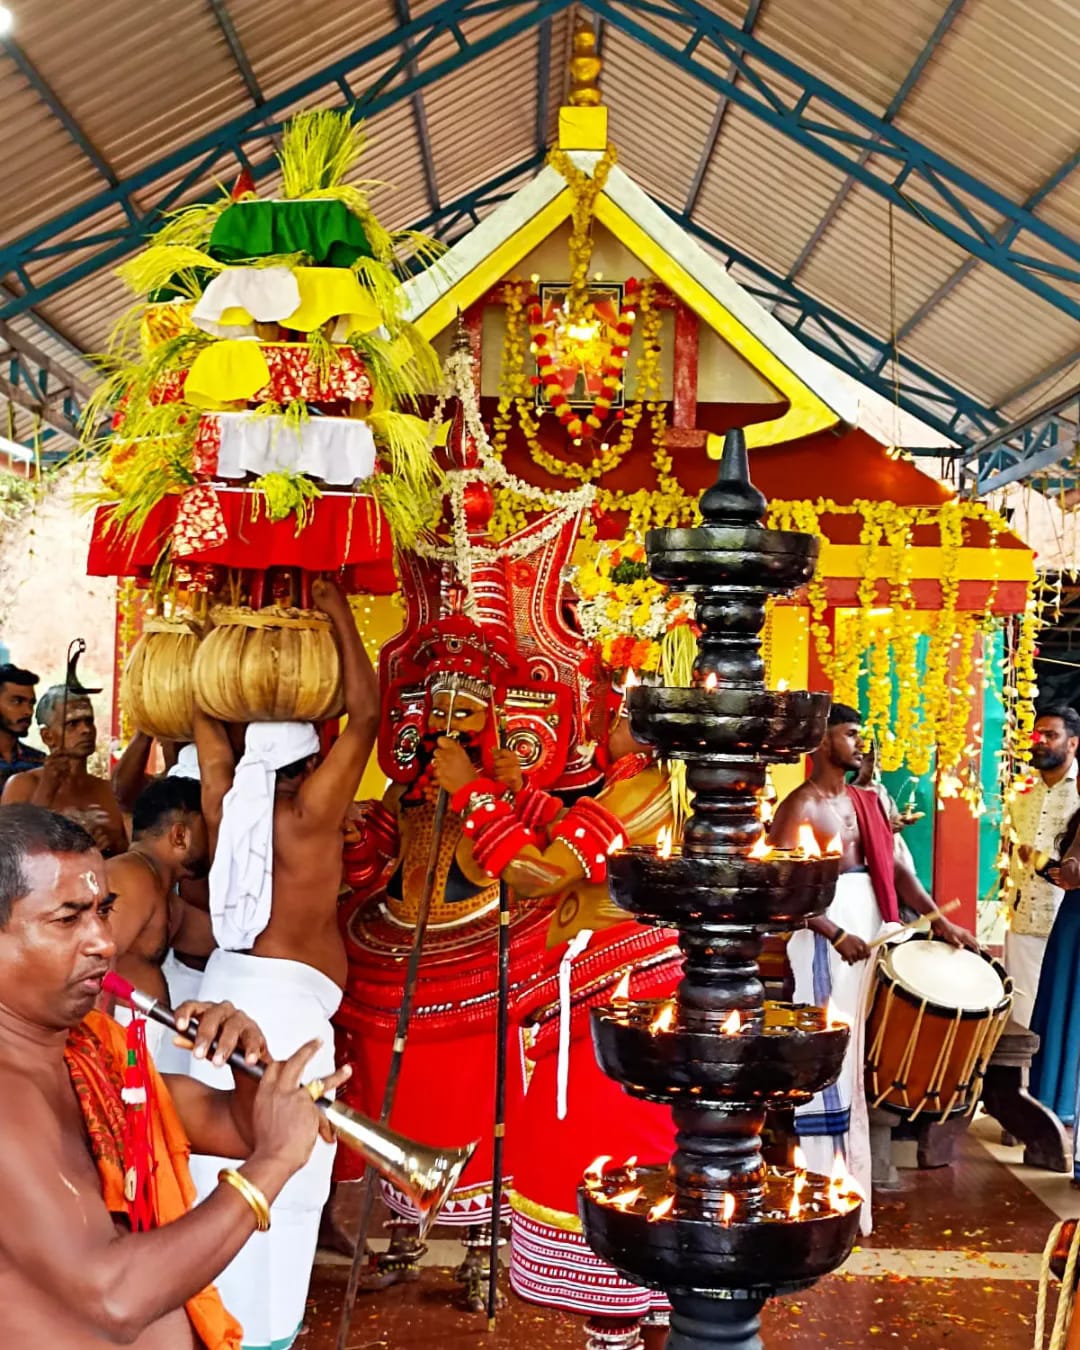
584 349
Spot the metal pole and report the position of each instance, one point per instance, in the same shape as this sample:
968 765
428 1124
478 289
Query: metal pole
502 1037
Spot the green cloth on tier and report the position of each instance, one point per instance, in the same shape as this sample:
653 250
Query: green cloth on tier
325 230
175 290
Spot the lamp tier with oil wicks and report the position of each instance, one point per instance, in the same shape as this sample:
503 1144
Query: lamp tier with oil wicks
718 1229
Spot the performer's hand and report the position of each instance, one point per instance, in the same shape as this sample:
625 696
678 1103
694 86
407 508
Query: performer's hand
451 766
284 1119
56 771
954 935
1067 876
221 1022
507 769
852 949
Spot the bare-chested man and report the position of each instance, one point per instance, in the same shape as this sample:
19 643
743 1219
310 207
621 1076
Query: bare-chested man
830 957
64 783
276 823
73 1273
169 845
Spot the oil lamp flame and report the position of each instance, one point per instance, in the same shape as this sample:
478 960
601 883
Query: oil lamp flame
664 842
617 843
728 1210
834 847
711 680
800 1183
631 679
625 1199
799 1159
594 1173
838 1177
664 1019
794 1209
661 1209
621 993
761 849
806 842
833 1018
781 686
732 1024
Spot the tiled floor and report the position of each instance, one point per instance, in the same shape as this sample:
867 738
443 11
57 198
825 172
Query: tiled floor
953 1264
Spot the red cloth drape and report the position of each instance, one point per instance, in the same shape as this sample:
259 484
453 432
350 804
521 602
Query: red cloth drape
878 848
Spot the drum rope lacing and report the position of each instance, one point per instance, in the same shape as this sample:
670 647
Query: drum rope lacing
1060 1329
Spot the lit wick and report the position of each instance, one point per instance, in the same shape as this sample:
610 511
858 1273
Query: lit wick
594 1173
661 1209
663 1021
664 842
732 1024
711 680
761 849
728 1210
806 842
621 994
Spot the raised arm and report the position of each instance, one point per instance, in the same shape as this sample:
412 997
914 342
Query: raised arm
325 795
216 767
129 777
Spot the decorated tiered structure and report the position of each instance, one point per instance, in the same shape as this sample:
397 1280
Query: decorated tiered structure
718 1229
261 397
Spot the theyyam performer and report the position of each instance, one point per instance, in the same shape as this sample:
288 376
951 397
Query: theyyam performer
831 958
278 817
485 661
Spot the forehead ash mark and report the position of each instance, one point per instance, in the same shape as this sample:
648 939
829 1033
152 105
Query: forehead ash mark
91 884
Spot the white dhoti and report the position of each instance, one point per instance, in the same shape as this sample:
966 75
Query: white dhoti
1024 954
836 1120
184 984
265 1286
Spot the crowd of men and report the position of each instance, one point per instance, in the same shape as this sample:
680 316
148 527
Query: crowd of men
216 883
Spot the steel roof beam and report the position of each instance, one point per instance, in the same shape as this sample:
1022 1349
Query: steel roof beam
1057 367
839 129
749 20
431 183
543 85
895 104
236 48
48 96
1003 235
201 155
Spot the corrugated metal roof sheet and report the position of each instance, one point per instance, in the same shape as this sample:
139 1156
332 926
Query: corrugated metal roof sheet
997 96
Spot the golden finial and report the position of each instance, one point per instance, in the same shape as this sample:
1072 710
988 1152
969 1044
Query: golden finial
585 68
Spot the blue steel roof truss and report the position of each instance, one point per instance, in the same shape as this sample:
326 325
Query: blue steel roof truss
868 148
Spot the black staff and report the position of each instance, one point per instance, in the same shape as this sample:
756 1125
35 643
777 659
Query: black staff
502 1036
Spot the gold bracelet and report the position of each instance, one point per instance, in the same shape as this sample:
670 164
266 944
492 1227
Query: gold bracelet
250 1192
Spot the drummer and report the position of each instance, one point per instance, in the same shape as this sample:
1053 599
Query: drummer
830 958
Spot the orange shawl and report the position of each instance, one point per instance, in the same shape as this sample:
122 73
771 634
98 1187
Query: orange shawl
96 1056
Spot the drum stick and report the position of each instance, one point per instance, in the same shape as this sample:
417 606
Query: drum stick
923 919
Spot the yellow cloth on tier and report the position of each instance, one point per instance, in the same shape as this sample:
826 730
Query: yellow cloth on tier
332 293
226 372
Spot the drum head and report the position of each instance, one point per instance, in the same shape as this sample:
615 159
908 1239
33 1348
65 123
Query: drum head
950 977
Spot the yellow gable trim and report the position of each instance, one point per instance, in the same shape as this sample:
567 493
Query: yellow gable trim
491 269
807 413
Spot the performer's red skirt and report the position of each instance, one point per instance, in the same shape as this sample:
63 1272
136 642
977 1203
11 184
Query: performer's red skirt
550 1261
446 1091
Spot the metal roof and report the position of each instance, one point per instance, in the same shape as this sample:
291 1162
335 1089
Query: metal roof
902 170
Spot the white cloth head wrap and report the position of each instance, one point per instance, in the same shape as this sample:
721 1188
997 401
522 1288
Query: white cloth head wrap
187 764
241 878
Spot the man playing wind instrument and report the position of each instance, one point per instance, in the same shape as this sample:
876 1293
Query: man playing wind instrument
100 1242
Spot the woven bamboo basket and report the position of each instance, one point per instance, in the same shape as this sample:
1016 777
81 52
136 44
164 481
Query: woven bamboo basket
268 665
155 689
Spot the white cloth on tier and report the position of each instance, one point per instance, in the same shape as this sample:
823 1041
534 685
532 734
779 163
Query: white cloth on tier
241 878
262 294
338 450
187 764
1024 954
836 1120
265 1286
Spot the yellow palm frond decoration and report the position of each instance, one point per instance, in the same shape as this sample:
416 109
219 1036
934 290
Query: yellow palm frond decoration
159 263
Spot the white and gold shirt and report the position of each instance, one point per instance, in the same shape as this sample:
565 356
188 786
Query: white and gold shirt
1037 817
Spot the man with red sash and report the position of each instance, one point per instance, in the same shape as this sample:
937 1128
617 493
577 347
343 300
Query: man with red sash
830 958
99 1242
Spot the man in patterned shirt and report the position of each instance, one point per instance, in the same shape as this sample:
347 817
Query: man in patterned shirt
1037 816
17 699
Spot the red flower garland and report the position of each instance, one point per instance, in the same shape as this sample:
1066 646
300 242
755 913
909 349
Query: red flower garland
611 375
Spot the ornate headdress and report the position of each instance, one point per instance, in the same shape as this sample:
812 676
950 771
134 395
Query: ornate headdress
487 616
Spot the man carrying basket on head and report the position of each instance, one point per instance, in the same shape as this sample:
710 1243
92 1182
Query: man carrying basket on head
830 958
